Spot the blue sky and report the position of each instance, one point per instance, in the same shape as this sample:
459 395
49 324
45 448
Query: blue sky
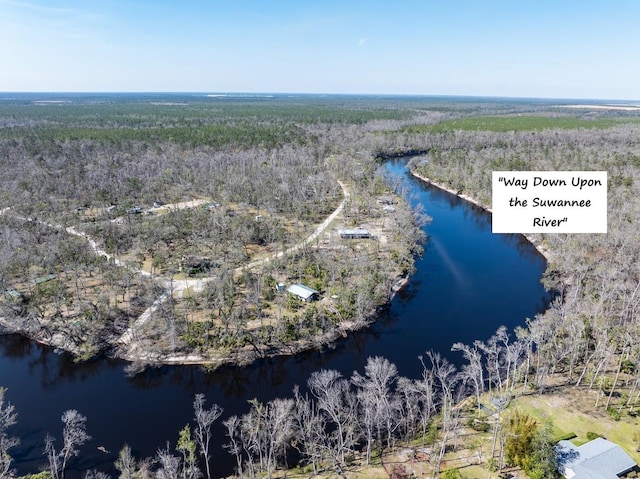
516 48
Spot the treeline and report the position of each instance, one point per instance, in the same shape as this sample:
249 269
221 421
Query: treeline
175 112
335 423
215 136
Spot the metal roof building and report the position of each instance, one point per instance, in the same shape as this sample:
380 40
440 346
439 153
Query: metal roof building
303 292
597 459
354 233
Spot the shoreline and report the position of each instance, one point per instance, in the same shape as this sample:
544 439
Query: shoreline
536 241
242 356
248 354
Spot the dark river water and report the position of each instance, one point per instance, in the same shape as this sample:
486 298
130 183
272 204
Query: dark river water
468 283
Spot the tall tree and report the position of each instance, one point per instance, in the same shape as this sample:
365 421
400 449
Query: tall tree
375 398
74 435
170 464
446 375
204 420
473 371
233 426
309 429
337 403
520 431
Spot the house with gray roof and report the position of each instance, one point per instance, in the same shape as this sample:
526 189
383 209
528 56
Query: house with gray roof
597 459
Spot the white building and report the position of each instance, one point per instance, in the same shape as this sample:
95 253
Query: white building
597 459
303 292
354 233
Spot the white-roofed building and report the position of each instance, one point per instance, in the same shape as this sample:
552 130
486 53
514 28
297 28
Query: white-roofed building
303 292
597 459
354 233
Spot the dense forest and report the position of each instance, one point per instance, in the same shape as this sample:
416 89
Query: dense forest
115 209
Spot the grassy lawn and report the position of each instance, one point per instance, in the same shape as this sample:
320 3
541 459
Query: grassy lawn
573 412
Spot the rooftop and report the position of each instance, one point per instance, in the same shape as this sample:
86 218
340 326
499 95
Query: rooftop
302 291
597 459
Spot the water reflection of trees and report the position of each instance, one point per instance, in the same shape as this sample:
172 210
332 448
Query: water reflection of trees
14 346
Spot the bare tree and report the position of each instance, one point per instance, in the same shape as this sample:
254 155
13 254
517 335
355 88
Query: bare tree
52 456
494 352
8 417
445 373
74 435
338 403
280 429
94 474
265 432
204 419
426 390
472 372
169 464
309 429
376 400
409 403
234 446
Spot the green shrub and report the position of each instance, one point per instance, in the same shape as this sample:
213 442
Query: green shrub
40 475
290 331
451 474
478 424
614 414
293 303
492 464
627 366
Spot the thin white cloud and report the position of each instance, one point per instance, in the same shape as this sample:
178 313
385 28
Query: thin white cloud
362 41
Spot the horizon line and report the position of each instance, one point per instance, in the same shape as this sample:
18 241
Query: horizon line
212 94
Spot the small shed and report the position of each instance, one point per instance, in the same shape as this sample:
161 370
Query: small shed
303 292
44 279
14 295
354 233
